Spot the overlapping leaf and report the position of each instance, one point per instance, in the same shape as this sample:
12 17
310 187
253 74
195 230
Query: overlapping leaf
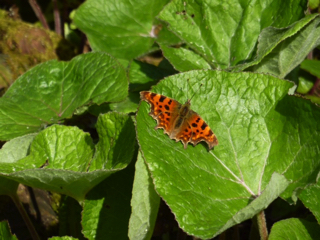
120 27
52 91
61 158
224 33
310 197
145 203
5 232
261 130
295 229
106 209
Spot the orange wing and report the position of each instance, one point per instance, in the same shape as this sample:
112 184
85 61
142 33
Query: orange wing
163 109
178 121
195 130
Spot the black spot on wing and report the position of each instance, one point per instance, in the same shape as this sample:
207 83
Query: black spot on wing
194 125
162 98
204 125
153 95
166 107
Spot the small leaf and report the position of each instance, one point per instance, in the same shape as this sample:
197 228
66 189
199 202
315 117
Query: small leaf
291 51
311 66
129 105
184 59
9 154
63 238
5 232
121 27
143 75
52 91
294 229
144 203
310 197
117 141
313 4
305 85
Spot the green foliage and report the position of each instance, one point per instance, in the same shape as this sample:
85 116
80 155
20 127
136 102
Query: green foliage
295 229
145 202
5 231
72 127
121 28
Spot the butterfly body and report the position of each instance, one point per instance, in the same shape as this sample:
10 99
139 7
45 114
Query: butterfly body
178 120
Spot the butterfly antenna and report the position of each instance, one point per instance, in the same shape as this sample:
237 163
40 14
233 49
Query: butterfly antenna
195 92
188 88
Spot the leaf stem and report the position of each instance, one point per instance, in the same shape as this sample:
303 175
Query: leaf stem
25 217
57 19
37 10
262 225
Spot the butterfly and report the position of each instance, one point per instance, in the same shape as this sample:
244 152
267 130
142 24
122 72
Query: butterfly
178 120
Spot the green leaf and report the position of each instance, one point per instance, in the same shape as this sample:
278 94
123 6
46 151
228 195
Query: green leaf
310 197
261 130
184 59
292 46
5 232
305 85
60 157
167 37
120 27
117 141
313 98
143 75
145 204
294 229
106 210
311 66
129 105
313 4
9 154
63 238
275 187
52 91
225 33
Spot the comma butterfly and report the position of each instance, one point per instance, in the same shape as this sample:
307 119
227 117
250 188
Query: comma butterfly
178 120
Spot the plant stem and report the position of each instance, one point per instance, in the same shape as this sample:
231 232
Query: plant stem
262 225
37 10
57 19
25 217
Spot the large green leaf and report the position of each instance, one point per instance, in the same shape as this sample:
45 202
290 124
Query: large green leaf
120 27
52 91
261 130
145 203
61 158
225 33
106 209
295 229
